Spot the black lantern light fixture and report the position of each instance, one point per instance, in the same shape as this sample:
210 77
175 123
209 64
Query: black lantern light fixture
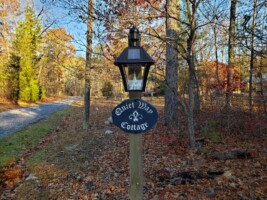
134 63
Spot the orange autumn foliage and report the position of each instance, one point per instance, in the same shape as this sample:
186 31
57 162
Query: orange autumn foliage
214 81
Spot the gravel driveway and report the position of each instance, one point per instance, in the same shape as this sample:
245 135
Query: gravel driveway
12 120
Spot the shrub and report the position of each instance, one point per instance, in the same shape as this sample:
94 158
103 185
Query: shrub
107 89
210 132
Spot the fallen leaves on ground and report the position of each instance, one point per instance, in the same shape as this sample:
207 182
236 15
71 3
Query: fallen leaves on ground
83 164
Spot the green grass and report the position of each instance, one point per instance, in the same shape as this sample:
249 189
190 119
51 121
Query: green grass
36 158
13 146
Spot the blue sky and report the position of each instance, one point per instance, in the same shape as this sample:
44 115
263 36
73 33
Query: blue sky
59 17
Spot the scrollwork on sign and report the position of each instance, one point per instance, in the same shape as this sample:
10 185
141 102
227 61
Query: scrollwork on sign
135 116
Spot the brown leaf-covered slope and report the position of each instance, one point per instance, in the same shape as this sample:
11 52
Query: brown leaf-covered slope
79 164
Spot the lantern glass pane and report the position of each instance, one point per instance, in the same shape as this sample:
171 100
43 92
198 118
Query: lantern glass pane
134 54
134 75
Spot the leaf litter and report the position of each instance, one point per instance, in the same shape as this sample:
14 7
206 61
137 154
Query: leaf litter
89 164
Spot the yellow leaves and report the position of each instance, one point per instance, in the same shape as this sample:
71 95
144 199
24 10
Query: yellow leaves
262 190
11 176
58 42
114 188
75 184
227 175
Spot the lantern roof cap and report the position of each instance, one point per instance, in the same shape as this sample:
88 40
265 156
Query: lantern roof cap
134 55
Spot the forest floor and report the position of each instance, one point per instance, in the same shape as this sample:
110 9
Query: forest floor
71 163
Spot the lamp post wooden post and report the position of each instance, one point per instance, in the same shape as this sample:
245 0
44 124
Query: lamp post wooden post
135 116
136 161
134 64
136 146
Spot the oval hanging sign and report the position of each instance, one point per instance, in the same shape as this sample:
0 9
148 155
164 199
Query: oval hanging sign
134 116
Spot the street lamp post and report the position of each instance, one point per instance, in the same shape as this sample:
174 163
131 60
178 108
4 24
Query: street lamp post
134 64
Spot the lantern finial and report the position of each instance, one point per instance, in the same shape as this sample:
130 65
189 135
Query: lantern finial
134 37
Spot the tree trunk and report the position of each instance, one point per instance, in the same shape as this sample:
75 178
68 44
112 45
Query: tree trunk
191 66
231 57
251 66
171 89
196 85
236 154
262 88
89 36
195 81
217 94
190 116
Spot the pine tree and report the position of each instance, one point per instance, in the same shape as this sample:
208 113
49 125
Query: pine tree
26 44
12 72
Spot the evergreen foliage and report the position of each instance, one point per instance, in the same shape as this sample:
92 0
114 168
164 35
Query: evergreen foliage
3 78
12 72
26 44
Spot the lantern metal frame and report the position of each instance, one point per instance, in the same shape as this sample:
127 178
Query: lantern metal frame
134 56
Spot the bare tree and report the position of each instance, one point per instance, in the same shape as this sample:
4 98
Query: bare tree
192 7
